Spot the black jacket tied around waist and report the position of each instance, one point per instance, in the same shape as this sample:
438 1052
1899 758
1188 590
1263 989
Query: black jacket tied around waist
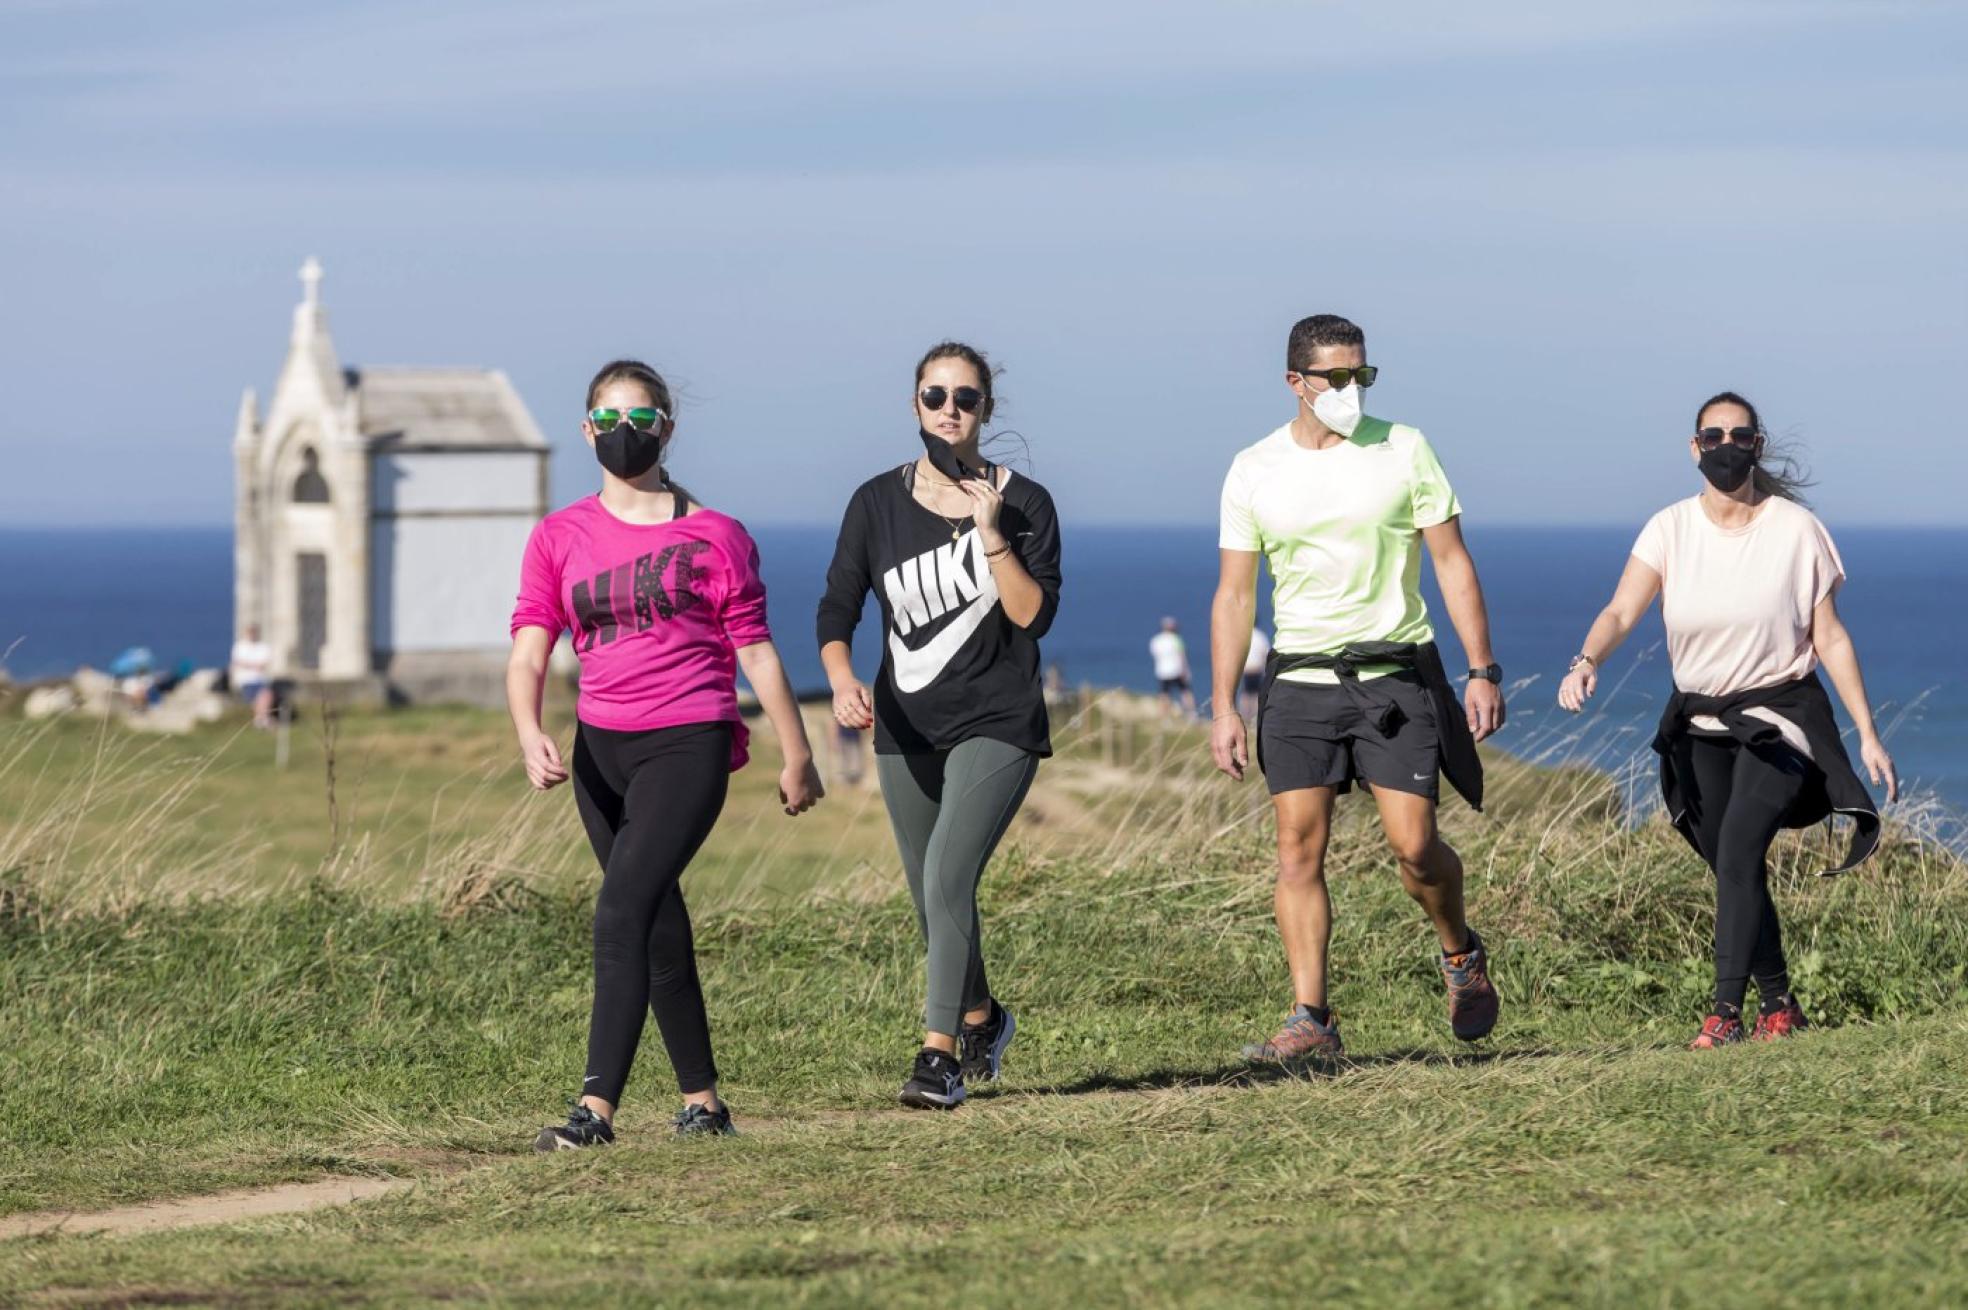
1831 787
1457 746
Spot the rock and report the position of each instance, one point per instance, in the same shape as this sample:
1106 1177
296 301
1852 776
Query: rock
95 691
46 702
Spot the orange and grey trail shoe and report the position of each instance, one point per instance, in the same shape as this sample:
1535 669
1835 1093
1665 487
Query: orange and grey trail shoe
1786 1019
1302 1038
1717 1030
1472 997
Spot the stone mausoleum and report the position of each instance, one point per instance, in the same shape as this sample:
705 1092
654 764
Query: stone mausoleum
379 520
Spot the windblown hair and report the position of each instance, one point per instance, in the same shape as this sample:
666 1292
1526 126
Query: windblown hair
1779 471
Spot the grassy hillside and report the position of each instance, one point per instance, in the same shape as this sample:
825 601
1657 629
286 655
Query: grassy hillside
160 1043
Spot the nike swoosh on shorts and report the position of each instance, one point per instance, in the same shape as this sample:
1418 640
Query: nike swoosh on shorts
916 669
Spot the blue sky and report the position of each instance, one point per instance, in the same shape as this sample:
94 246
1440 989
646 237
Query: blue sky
1562 225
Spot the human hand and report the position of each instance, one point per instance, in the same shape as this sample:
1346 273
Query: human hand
1578 686
853 707
985 504
1879 766
799 786
1483 702
542 759
1229 745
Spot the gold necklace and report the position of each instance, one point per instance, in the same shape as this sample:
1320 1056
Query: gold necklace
956 524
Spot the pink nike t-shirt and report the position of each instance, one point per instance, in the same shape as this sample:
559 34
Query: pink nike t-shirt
657 612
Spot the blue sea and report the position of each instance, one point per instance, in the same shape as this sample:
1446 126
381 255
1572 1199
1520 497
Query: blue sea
74 597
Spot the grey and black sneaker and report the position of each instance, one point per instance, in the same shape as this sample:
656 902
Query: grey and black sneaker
984 1045
696 1121
936 1083
583 1128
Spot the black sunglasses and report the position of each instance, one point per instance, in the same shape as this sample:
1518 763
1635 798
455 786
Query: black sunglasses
1340 377
1710 438
967 398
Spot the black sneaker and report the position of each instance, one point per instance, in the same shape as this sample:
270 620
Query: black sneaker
936 1083
696 1121
583 1128
984 1045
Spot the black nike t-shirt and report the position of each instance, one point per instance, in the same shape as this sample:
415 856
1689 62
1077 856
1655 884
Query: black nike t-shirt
954 665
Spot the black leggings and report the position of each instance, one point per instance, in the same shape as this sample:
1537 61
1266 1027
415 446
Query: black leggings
648 800
1743 794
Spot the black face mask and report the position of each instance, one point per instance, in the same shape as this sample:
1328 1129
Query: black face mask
1728 466
628 451
943 458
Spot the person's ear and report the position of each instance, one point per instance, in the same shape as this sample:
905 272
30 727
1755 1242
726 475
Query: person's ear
986 410
588 431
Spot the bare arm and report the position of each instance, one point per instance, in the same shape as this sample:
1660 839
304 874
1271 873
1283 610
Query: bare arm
1841 660
1232 613
1638 586
1462 593
1021 597
526 673
799 782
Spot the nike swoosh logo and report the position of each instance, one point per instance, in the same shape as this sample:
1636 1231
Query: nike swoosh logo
916 669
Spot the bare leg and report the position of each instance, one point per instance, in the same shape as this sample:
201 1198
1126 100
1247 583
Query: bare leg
1431 871
1302 905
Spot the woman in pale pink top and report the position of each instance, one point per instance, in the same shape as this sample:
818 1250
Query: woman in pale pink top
1747 578
664 602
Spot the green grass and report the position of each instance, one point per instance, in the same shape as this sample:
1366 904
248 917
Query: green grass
165 1044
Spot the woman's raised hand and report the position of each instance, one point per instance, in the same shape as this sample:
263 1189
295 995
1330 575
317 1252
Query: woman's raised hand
985 503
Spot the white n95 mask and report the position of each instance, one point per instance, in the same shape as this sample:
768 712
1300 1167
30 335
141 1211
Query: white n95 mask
1338 408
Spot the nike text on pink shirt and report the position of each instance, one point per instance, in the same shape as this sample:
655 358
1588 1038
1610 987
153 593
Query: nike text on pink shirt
657 612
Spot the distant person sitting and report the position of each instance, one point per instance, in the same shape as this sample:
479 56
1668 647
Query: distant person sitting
1171 658
1253 683
250 675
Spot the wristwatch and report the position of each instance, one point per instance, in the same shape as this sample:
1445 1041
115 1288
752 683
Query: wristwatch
1488 673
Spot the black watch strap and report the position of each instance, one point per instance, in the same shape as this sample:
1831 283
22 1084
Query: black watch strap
1488 673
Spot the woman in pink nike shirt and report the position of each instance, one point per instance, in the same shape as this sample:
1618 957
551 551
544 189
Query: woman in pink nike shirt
665 604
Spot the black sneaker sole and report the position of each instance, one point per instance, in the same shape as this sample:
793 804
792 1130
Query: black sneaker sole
915 1098
550 1141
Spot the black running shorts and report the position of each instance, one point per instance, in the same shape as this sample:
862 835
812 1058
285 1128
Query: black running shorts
1314 736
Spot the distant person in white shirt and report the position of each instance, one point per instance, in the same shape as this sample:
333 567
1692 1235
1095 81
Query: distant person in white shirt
250 675
1171 659
1253 683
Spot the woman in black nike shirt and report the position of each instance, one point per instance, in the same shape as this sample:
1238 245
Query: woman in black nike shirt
964 558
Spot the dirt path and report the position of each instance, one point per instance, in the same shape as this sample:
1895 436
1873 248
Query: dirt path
295 1198
214 1208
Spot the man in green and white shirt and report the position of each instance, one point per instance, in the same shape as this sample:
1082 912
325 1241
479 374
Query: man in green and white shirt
1339 505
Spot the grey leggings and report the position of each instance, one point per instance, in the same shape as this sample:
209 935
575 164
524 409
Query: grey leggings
949 810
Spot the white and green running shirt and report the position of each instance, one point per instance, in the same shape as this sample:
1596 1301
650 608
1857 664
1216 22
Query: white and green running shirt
1341 531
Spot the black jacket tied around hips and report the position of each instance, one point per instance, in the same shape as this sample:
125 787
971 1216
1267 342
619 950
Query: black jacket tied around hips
1831 786
1461 765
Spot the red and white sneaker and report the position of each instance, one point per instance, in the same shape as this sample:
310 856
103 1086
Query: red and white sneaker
1785 1021
1717 1030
